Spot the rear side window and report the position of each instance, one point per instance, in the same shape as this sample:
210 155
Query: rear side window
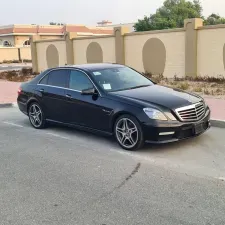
44 80
57 78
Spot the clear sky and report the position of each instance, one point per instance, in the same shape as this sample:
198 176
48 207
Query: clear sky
87 12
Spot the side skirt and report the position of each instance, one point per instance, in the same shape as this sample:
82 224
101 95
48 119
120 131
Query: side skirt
88 129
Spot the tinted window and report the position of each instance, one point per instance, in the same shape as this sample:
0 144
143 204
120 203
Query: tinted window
58 78
121 78
79 81
44 80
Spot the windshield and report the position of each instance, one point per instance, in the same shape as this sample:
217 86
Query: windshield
121 78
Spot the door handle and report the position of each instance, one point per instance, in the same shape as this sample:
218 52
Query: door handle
41 90
68 96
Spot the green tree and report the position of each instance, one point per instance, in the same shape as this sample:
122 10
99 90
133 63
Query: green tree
214 19
170 15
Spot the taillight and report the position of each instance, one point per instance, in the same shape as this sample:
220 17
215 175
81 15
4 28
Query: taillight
19 91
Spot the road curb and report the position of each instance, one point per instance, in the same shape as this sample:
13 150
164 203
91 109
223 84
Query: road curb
8 105
217 123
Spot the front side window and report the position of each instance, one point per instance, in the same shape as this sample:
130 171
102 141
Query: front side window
121 78
57 78
79 81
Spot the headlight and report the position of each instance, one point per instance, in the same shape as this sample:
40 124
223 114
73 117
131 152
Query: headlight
154 114
206 106
203 101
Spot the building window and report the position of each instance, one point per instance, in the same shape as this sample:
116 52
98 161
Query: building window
6 44
26 43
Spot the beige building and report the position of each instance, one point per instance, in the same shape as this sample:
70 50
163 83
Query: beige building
18 35
106 23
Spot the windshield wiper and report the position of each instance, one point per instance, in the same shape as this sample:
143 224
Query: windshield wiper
140 86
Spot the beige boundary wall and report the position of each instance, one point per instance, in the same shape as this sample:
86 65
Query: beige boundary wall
155 52
25 53
91 50
11 54
211 51
51 53
194 50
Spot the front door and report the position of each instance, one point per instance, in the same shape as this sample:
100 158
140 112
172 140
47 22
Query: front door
86 110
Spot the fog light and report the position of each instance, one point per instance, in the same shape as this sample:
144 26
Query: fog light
166 133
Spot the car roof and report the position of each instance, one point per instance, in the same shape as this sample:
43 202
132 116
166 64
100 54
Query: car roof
93 66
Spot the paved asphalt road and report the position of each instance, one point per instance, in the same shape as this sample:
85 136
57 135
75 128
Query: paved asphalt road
10 68
13 67
59 176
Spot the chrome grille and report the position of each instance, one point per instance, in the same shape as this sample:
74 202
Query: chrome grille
191 112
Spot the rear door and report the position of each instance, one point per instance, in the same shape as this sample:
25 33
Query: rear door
52 88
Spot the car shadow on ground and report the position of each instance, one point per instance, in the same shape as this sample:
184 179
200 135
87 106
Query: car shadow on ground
173 146
111 143
150 148
81 133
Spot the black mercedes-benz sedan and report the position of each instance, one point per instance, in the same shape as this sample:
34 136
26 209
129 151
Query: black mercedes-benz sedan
114 100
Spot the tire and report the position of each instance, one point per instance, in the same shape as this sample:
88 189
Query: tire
128 133
36 116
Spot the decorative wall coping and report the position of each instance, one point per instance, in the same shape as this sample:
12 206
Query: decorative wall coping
155 32
219 26
49 40
93 37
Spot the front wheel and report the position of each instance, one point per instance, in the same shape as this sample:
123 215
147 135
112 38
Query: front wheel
36 116
128 133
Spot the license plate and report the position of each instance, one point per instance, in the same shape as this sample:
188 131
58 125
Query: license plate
199 128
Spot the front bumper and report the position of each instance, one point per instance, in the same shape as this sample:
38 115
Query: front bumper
165 132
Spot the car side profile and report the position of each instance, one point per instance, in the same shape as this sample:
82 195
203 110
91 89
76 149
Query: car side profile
113 99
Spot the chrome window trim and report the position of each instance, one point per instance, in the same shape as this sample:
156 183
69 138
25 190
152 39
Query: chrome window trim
67 88
48 74
193 106
58 87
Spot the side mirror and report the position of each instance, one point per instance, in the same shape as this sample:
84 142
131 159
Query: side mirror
89 91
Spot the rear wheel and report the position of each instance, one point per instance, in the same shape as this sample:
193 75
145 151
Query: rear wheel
128 133
36 116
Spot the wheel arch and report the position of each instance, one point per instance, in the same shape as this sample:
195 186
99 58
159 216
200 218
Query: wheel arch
118 114
32 100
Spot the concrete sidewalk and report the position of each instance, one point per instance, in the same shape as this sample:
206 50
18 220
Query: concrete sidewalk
217 107
8 91
8 94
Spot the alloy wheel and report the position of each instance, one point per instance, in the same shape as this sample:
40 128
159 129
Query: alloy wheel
127 133
36 115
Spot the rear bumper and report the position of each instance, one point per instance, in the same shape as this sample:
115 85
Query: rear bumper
166 132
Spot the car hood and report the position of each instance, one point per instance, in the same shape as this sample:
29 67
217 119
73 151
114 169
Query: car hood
159 95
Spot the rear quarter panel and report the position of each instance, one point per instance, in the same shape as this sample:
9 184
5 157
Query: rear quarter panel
27 95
